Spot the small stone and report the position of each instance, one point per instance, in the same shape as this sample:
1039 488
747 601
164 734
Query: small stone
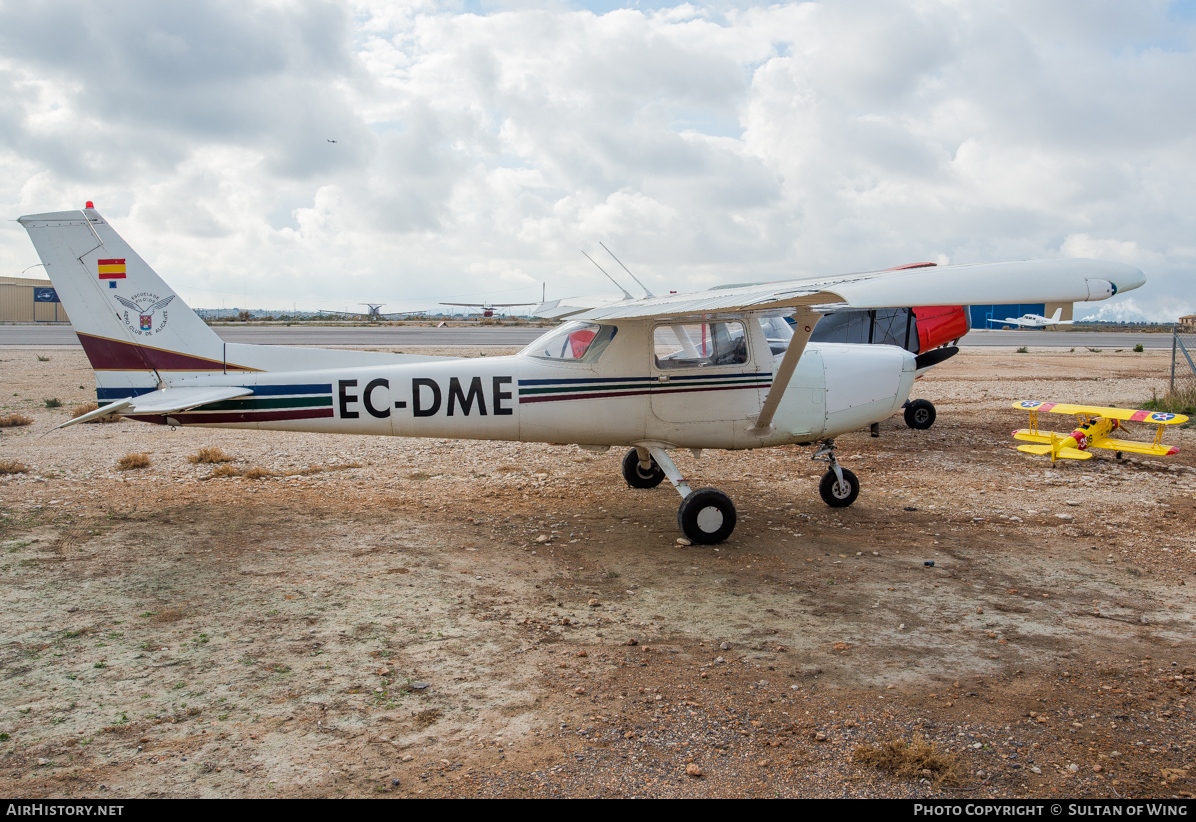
901 627
1097 769
718 660
43 762
724 646
1035 769
579 690
420 686
1064 516
407 758
683 541
632 641
763 763
542 538
583 653
692 769
593 603
629 735
1073 768
820 737
980 610
383 671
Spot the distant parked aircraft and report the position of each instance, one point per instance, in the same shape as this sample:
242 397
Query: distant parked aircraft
1035 320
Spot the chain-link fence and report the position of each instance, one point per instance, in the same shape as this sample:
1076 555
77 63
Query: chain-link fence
1183 367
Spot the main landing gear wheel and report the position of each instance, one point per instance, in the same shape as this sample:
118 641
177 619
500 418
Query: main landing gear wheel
635 474
920 414
706 516
836 494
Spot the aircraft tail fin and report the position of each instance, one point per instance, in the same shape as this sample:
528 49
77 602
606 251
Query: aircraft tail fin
1058 313
133 327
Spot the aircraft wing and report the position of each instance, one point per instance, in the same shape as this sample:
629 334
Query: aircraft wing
1127 414
164 401
1012 321
1063 280
1134 447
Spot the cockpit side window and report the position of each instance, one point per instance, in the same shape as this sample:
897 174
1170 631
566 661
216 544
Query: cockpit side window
573 342
699 345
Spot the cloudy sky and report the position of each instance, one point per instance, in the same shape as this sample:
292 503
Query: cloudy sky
482 145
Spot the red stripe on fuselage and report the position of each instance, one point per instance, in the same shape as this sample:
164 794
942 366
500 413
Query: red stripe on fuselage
242 417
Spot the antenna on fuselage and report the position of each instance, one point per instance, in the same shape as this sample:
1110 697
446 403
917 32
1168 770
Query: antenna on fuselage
647 294
609 277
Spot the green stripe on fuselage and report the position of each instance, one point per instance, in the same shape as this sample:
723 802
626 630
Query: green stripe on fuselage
599 389
263 404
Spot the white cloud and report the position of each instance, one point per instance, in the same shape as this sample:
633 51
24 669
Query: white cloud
477 154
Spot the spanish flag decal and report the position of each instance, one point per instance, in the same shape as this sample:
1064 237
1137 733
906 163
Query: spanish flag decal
112 270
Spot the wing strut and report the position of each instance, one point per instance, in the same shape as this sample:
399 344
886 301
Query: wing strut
806 320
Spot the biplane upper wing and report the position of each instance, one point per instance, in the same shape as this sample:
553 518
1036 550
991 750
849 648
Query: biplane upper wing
1063 280
1127 414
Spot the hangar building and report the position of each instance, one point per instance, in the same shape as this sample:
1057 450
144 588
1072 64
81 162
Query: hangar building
26 300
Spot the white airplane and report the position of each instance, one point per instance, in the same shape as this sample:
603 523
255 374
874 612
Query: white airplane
1035 320
686 371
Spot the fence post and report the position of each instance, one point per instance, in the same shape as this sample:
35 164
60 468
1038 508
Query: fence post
1174 337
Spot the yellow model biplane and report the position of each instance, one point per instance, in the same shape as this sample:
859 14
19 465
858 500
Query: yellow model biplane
1093 430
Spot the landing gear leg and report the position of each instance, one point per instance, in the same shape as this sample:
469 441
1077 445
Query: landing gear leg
707 515
839 487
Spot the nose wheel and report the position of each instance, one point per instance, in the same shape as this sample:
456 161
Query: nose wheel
838 487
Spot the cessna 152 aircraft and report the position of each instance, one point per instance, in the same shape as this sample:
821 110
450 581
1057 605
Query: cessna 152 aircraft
714 369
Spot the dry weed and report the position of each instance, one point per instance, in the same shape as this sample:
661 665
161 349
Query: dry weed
133 461
224 471
15 420
169 615
427 716
88 407
916 759
209 455
12 467
257 472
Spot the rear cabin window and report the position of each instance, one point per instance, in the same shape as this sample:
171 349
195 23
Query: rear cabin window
699 345
574 342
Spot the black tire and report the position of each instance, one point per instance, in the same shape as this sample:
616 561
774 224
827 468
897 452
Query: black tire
636 476
833 495
920 414
706 516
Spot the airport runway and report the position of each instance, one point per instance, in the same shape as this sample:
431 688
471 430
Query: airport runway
388 336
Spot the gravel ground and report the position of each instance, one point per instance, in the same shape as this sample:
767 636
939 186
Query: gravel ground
488 619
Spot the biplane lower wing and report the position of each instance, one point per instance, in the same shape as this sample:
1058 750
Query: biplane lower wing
1135 447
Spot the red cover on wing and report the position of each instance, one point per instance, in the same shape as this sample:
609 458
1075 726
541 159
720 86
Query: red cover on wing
940 324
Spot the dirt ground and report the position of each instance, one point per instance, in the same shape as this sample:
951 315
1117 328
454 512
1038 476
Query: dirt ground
486 619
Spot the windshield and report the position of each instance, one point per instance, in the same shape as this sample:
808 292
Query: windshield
573 342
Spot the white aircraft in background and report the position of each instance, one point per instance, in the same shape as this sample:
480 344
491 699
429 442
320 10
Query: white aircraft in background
1035 320
656 374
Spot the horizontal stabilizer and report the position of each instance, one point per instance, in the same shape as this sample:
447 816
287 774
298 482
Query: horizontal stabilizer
1029 436
164 401
1063 454
1135 447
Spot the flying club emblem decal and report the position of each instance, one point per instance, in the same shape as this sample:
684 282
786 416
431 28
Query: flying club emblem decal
144 305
